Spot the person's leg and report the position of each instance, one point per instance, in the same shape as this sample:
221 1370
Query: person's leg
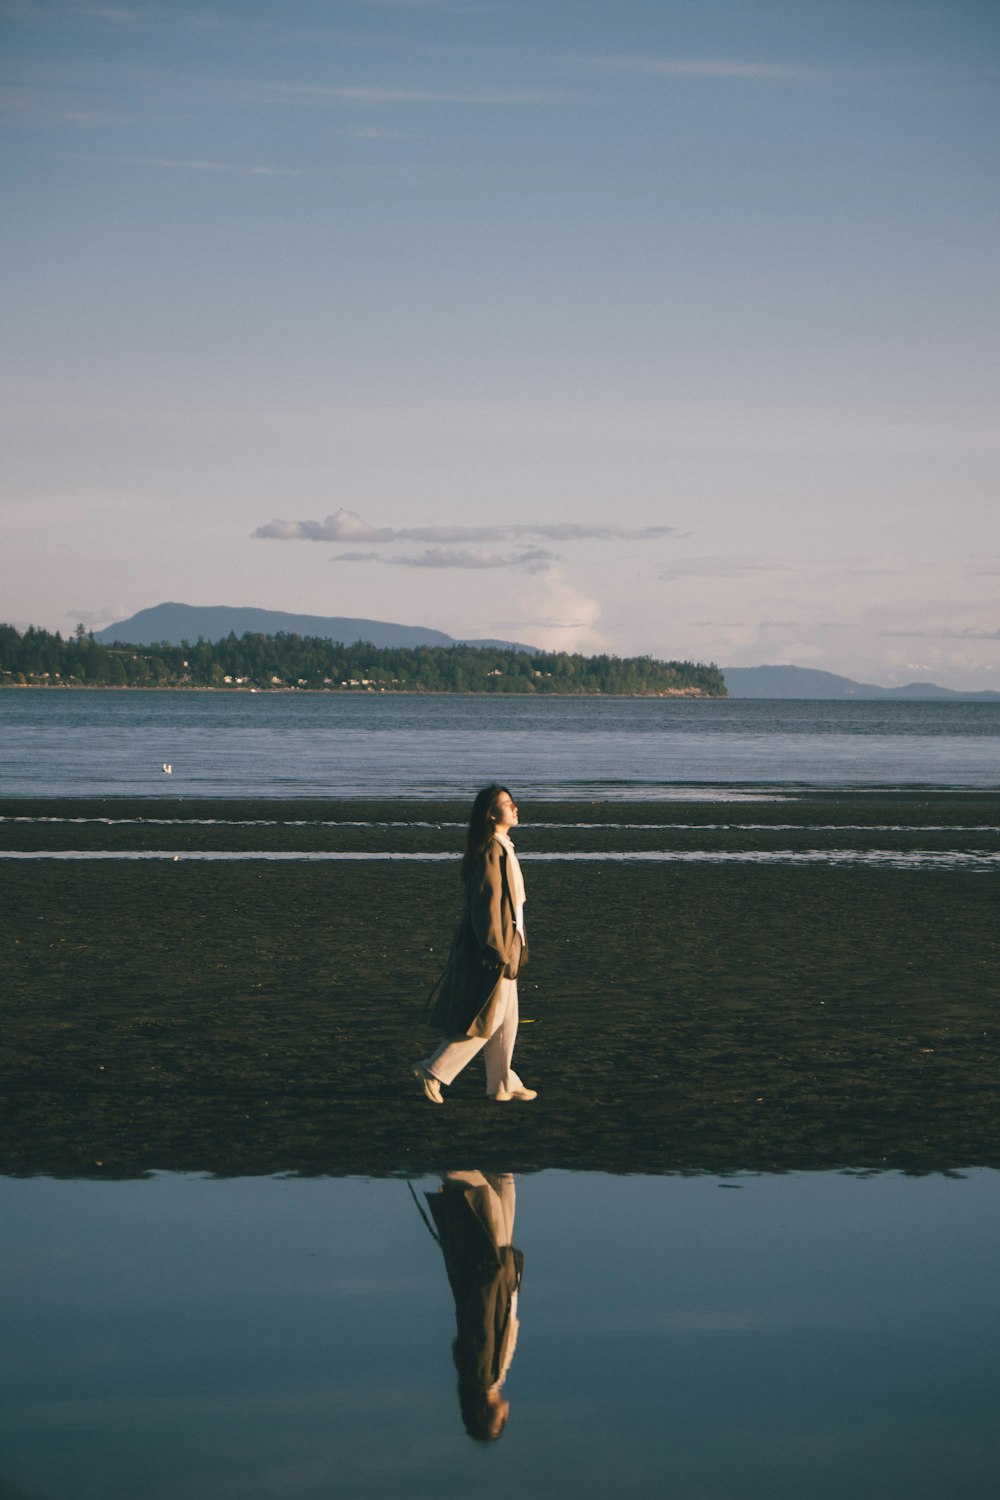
503 1186
497 1200
454 1053
500 1076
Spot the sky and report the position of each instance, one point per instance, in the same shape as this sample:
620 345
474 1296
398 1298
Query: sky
658 327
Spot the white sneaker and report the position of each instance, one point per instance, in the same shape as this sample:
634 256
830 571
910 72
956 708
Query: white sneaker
430 1085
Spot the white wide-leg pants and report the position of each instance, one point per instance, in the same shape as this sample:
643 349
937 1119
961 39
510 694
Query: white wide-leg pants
499 1202
497 1049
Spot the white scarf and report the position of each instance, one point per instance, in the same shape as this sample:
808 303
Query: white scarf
516 880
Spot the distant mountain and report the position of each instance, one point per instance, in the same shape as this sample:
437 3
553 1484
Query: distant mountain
175 623
806 682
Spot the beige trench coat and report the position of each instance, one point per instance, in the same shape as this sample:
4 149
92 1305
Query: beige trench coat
485 950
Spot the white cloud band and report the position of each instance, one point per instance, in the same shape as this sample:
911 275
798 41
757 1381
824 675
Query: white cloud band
347 526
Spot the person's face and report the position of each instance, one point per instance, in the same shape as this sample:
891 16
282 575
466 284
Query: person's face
505 812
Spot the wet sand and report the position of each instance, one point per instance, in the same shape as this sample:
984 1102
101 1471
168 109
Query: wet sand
254 1017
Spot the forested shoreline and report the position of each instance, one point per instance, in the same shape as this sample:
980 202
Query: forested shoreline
288 662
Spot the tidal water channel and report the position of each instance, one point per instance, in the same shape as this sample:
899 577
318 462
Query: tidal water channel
751 1335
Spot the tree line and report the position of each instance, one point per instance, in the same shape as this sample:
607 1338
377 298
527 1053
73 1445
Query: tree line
286 661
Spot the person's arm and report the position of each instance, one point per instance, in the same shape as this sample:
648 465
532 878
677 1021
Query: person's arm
486 906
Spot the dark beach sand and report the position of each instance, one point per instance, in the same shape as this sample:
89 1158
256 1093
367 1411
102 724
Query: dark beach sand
252 1017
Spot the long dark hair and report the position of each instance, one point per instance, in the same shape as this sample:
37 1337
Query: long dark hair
478 1415
482 823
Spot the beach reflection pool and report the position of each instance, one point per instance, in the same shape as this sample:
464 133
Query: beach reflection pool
807 1334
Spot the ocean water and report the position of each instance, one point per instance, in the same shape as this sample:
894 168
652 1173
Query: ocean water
754 1336
106 743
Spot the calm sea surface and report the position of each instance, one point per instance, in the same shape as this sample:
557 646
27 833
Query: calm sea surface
706 1338
96 743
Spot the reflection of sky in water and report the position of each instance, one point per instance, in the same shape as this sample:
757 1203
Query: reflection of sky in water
752 1336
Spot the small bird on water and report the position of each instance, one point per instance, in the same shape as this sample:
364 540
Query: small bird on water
167 768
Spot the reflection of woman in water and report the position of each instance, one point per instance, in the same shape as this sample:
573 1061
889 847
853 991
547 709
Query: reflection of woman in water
474 1216
476 1005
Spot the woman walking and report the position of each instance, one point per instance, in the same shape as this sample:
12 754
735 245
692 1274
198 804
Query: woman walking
476 1004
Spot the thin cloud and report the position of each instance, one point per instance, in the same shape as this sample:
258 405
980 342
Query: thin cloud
345 526
28 105
561 615
32 99
578 532
545 622
947 635
95 618
375 133
334 93
117 14
449 7
474 557
764 71
536 559
721 567
720 68
532 559
348 526
180 164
